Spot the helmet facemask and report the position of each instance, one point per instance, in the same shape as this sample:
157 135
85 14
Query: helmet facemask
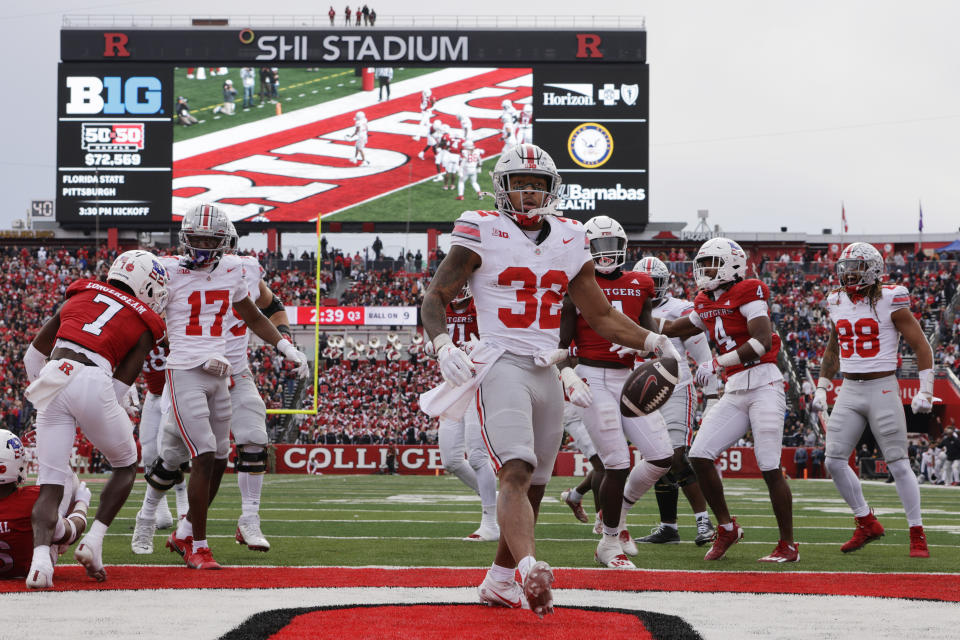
527 196
609 253
704 264
859 266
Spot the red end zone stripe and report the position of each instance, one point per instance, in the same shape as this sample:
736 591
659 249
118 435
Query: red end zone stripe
918 586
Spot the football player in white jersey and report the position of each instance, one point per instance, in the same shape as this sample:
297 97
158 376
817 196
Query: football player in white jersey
467 125
508 132
678 413
868 319
204 285
426 112
359 134
525 125
520 260
470 159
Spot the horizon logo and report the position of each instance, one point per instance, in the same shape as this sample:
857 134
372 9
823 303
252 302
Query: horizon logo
577 95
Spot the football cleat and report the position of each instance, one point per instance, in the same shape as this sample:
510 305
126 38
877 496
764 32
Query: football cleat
142 542
40 577
724 540
918 543
612 557
484 534
201 559
598 523
627 545
785 552
91 557
576 507
248 533
459 198
705 532
164 518
179 545
508 594
868 529
536 588
661 535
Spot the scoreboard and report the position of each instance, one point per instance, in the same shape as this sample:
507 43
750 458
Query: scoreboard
118 163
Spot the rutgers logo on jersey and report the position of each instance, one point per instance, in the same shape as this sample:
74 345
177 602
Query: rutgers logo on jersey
462 324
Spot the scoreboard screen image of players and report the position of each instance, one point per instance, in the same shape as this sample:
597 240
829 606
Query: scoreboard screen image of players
386 132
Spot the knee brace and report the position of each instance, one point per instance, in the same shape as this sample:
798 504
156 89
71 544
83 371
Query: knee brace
161 478
665 484
250 459
685 476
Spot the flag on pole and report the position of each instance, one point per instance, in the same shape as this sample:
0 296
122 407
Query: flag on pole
921 216
843 218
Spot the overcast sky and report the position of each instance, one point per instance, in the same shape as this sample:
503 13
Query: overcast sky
768 113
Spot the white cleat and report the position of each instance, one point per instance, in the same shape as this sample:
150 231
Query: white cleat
609 554
249 533
40 577
164 519
91 557
143 530
484 534
627 545
508 594
537 588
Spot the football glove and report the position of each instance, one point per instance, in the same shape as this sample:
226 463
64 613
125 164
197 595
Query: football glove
299 358
706 372
576 388
819 399
455 365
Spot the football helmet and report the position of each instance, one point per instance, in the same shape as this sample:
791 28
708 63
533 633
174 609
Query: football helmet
526 160
608 243
655 268
360 116
528 108
724 255
468 144
425 93
859 265
144 275
436 124
234 238
204 234
463 295
13 459
507 105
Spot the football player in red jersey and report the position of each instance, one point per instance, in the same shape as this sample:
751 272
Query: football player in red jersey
868 319
732 310
16 504
605 372
96 342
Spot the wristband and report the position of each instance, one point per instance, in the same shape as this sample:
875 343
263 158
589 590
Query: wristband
757 346
285 332
926 381
441 341
650 342
729 359
823 383
285 347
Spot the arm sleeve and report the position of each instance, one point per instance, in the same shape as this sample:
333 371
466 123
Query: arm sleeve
754 309
696 320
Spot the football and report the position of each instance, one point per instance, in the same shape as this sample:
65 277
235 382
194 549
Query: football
648 387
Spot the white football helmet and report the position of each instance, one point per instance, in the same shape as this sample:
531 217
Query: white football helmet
608 243
234 238
507 105
425 93
468 144
526 159
205 234
859 265
658 271
143 274
528 108
13 459
437 124
360 116
724 255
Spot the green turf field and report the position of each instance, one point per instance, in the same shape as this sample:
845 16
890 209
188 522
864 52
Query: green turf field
419 520
423 202
299 88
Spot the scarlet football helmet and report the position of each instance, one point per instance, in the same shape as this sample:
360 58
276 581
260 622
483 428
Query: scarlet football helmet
13 459
205 234
608 243
144 275
527 160
724 255
658 271
859 265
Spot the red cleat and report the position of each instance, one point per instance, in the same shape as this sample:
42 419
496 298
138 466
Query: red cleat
868 529
785 552
918 543
459 198
576 507
179 545
201 559
724 540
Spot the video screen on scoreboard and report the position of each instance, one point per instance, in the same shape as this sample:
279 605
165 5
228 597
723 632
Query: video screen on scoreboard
280 144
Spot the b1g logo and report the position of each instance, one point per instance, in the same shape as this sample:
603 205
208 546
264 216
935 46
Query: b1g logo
111 95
